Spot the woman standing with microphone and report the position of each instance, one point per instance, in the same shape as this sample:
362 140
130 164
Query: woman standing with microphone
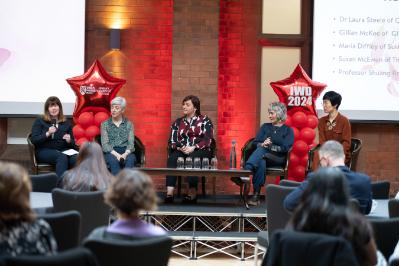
51 135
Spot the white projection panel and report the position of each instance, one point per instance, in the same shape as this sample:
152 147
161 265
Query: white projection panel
356 53
41 45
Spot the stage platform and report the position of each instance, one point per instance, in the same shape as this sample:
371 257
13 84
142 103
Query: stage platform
218 224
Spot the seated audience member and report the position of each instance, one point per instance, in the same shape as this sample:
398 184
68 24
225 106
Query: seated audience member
332 155
51 135
117 138
191 136
324 208
130 192
20 232
273 141
90 172
335 126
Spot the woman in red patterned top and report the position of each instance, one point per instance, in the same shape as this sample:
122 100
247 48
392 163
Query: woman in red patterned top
191 136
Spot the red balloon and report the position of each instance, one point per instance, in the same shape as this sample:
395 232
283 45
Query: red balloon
288 121
298 172
307 134
300 148
100 117
304 160
296 133
92 131
298 91
78 131
86 119
81 141
294 160
299 119
94 89
313 121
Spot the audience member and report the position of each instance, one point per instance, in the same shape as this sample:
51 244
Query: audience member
335 126
51 135
130 192
117 138
324 208
90 172
191 136
332 155
20 232
273 141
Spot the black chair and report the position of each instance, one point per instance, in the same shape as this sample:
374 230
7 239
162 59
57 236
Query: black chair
289 183
76 257
203 179
277 215
139 150
44 182
65 227
299 248
356 146
144 252
94 212
380 189
393 208
35 165
386 233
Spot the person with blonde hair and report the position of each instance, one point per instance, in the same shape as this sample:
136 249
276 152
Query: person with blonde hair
130 192
20 232
90 173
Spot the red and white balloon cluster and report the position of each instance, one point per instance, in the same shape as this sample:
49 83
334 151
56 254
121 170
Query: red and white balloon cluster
299 93
94 92
88 126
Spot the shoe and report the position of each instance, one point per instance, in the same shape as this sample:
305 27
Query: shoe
255 199
188 200
236 180
169 199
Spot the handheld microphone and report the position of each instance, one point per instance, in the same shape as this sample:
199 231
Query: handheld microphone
54 124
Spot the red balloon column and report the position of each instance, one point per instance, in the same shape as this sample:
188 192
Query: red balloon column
94 90
299 93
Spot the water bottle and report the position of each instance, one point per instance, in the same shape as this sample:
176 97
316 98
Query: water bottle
233 159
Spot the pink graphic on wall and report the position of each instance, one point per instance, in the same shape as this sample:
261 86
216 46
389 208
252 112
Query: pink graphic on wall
4 55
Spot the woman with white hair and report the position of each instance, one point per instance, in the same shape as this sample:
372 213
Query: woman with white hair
117 138
273 141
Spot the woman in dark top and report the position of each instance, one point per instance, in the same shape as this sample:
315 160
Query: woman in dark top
191 136
51 135
273 142
20 232
90 173
325 209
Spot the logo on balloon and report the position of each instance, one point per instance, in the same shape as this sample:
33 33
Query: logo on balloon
300 96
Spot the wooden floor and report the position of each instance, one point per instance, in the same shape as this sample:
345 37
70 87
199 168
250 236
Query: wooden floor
16 153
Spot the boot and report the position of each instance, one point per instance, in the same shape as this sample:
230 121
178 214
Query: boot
255 199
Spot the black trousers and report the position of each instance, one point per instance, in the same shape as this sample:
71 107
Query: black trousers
172 163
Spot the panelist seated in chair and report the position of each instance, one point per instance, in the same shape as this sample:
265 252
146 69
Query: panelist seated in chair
20 232
130 192
51 135
117 138
90 172
335 126
325 208
332 155
191 136
273 141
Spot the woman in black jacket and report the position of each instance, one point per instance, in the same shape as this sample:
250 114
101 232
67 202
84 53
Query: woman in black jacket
51 135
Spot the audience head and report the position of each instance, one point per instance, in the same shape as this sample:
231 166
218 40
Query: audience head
331 98
15 187
192 102
332 154
90 172
279 109
130 192
53 107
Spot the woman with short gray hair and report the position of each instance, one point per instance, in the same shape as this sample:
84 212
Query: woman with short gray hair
117 138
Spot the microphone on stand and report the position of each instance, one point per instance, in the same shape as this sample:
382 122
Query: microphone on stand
54 124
